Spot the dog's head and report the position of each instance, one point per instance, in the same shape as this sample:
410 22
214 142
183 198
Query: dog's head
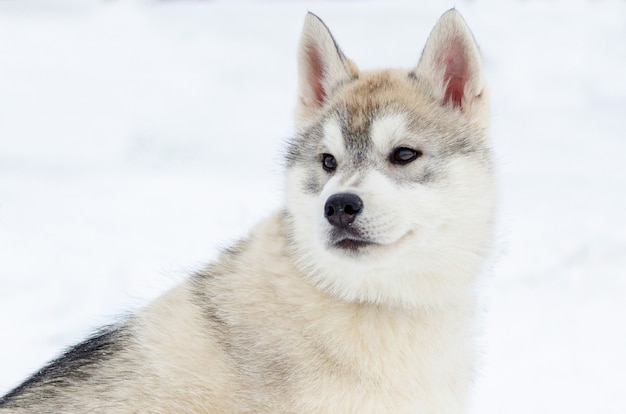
389 181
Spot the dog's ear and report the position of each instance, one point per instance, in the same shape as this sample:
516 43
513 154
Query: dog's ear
322 67
452 66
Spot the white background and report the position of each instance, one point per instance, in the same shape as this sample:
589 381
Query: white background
139 137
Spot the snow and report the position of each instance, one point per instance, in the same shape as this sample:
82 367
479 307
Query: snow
138 137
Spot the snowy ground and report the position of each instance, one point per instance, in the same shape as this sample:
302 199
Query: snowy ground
138 137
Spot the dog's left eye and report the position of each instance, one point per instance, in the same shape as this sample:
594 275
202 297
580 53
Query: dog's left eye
404 155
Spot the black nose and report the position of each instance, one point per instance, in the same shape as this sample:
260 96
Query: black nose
341 209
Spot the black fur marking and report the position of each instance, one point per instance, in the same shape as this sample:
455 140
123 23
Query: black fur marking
75 365
312 184
304 146
355 128
205 281
203 298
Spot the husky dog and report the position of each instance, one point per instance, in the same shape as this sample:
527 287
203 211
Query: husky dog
358 296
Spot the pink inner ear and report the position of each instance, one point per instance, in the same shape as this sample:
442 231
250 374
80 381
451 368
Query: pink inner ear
455 75
316 74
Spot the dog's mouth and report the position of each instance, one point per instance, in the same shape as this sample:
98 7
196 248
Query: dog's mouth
349 240
351 244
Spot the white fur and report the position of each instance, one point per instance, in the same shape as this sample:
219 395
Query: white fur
388 132
316 42
333 140
451 40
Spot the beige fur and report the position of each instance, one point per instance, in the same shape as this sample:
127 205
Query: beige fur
281 325
301 351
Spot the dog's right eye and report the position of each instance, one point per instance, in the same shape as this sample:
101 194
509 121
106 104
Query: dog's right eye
329 162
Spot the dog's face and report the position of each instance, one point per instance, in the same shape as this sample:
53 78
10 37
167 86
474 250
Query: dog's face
389 184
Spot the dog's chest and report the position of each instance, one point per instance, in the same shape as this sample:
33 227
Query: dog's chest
416 366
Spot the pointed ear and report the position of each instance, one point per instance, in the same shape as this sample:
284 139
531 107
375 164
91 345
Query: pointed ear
451 65
321 68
